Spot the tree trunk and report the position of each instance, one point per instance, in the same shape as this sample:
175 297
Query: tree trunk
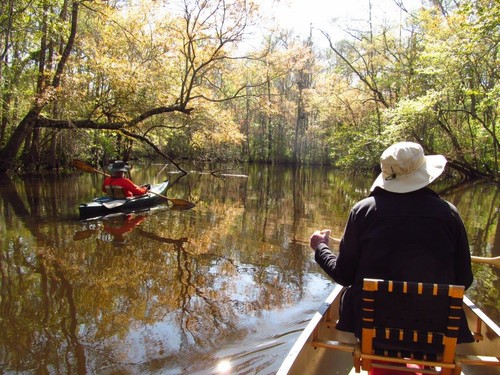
47 94
25 127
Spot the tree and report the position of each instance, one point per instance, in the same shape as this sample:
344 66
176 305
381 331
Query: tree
434 83
47 83
129 85
454 108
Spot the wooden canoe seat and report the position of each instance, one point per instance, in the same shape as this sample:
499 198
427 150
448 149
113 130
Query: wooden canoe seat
114 191
410 323
410 328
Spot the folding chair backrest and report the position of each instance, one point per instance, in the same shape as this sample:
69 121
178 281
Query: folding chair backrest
410 320
115 191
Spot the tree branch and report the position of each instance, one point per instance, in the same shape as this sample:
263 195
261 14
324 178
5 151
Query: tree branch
153 146
378 95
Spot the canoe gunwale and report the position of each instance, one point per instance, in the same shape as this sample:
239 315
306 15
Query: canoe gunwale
308 331
481 318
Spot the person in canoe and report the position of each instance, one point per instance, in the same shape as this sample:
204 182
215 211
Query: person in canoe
117 185
403 231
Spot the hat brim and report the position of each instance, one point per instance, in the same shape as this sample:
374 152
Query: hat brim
428 172
112 169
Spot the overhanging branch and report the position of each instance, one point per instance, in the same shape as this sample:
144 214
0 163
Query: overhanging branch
43 122
153 146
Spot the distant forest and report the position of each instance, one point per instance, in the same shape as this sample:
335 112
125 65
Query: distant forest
119 79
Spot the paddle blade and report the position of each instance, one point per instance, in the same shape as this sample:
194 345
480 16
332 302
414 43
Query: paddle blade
84 166
83 234
181 204
177 203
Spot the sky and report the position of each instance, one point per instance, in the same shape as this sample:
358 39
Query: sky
299 15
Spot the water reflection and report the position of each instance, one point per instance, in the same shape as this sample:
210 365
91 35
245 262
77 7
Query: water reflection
225 286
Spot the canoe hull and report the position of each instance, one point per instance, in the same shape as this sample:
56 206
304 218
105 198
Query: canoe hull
305 359
103 206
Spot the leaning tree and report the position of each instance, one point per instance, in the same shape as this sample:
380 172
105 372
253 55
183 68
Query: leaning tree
134 71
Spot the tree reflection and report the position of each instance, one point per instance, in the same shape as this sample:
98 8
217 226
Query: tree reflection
183 283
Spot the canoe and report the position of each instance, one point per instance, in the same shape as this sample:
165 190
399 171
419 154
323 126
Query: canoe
307 358
104 205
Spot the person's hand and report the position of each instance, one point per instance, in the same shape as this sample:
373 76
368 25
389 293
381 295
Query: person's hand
319 237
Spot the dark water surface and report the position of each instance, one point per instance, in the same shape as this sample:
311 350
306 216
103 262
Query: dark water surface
223 288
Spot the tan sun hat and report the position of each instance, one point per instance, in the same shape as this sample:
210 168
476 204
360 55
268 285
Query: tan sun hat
405 168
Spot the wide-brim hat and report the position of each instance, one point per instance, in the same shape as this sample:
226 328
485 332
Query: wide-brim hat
118 166
405 168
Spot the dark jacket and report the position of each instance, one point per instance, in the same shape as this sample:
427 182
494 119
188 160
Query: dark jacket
415 236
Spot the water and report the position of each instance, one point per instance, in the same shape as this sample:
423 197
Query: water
223 288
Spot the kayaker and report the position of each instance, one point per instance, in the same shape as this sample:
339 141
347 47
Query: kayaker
403 231
118 179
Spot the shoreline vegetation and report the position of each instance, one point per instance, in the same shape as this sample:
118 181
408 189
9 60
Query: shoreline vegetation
103 81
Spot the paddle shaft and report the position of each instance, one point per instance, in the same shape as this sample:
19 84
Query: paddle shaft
175 201
83 166
495 261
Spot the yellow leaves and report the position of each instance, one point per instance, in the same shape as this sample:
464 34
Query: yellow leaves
215 132
221 134
129 56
